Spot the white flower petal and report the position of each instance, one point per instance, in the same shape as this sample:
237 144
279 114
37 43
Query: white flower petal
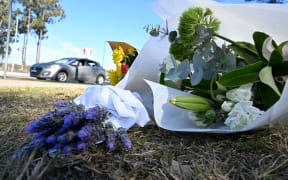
267 48
285 52
243 93
227 106
242 114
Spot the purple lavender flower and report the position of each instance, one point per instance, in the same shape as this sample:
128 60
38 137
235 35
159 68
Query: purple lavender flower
85 133
91 132
67 149
48 121
69 127
125 140
68 137
42 123
39 141
110 137
96 114
62 111
52 151
46 132
31 128
73 119
65 107
82 146
15 156
52 139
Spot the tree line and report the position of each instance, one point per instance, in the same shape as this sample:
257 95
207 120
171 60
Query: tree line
27 17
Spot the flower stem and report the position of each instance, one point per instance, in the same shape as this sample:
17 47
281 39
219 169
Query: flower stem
224 38
211 88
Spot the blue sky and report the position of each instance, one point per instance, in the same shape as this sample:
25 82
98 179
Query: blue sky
89 24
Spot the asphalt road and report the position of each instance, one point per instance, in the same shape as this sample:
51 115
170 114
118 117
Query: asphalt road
24 80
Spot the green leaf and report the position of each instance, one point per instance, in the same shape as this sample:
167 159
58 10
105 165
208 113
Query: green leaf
277 54
221 87
172 84
267 78
243 75
246 51
180 71
275 58
202 89
259 38
162 78
241 79
172 36
280 69
197 76
266 95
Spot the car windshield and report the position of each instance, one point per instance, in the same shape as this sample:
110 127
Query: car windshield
63 61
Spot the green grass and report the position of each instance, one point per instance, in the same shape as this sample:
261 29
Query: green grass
156 153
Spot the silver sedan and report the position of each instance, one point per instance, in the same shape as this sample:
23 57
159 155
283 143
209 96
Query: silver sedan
67 69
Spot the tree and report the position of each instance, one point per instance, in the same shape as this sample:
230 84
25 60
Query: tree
45 12
24 27
34 17
4 7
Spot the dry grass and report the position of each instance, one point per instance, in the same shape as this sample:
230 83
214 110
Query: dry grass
156 153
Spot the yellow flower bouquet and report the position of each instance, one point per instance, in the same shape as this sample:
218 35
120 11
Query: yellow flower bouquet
122 60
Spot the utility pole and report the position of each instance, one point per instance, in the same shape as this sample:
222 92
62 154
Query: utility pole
14 44
103 53
8 38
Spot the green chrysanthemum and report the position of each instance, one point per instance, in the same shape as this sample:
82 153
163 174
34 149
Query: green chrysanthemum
193 17
181 47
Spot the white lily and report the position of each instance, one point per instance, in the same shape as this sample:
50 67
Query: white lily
227 106
268 48
285 52
242 93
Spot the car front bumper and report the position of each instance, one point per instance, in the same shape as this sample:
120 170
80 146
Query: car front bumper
43 74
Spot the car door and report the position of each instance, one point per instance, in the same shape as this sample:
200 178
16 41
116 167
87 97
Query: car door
97 69
72 70
85 72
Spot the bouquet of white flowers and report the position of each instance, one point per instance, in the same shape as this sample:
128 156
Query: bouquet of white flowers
232 85
240 85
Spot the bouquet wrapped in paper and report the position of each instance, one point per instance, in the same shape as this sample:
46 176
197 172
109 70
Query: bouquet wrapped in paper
230 53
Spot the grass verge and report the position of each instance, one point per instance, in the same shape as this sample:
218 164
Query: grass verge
156 153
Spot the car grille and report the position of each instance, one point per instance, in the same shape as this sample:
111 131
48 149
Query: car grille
35 71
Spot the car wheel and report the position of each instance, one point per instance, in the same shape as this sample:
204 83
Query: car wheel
100 79
62 76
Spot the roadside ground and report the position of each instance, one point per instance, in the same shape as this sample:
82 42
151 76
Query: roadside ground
24 80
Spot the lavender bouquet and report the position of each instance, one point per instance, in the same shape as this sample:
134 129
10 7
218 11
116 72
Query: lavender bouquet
71 128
